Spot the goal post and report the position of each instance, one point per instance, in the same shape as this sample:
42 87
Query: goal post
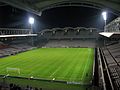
13 70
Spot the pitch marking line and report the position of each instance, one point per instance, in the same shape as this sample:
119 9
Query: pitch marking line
86 64
55 72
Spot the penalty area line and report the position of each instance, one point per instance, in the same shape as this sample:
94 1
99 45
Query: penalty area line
55 71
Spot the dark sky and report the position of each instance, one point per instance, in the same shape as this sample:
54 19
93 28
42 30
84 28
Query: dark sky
56 17
75 16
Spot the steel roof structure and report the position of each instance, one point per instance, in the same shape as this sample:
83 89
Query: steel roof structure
37 6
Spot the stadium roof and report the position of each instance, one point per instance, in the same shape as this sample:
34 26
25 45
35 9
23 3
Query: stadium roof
110 34
18 35
37 6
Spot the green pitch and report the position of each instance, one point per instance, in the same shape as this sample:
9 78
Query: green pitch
67 64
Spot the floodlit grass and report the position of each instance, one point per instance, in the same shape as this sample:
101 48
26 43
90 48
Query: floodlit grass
67 64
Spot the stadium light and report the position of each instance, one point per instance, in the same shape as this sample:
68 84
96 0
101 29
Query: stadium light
104 14
31 20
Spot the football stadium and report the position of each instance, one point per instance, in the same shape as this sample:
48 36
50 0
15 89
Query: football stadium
59 57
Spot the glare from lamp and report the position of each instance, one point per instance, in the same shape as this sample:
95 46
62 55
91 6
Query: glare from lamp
104 14
31 20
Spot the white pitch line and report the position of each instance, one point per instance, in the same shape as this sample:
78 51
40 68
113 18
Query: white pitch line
85 65
55 71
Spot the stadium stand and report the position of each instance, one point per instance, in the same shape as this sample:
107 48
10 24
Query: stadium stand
69 37
6 50
66 33
12 86
113 26
110 56
9 31
111 53
2 45
70 43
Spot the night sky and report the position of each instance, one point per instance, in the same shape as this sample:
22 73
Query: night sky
56 17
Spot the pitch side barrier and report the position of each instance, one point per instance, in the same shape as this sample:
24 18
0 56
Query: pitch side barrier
5 77
39 79
95 68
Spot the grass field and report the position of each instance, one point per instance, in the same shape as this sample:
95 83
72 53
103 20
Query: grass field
67 64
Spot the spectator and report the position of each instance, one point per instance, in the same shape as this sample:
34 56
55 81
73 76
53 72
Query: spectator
36 88
31 88
27 88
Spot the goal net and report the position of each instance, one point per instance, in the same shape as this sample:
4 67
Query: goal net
10 70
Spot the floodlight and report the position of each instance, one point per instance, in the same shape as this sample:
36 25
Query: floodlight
104 14
31 20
